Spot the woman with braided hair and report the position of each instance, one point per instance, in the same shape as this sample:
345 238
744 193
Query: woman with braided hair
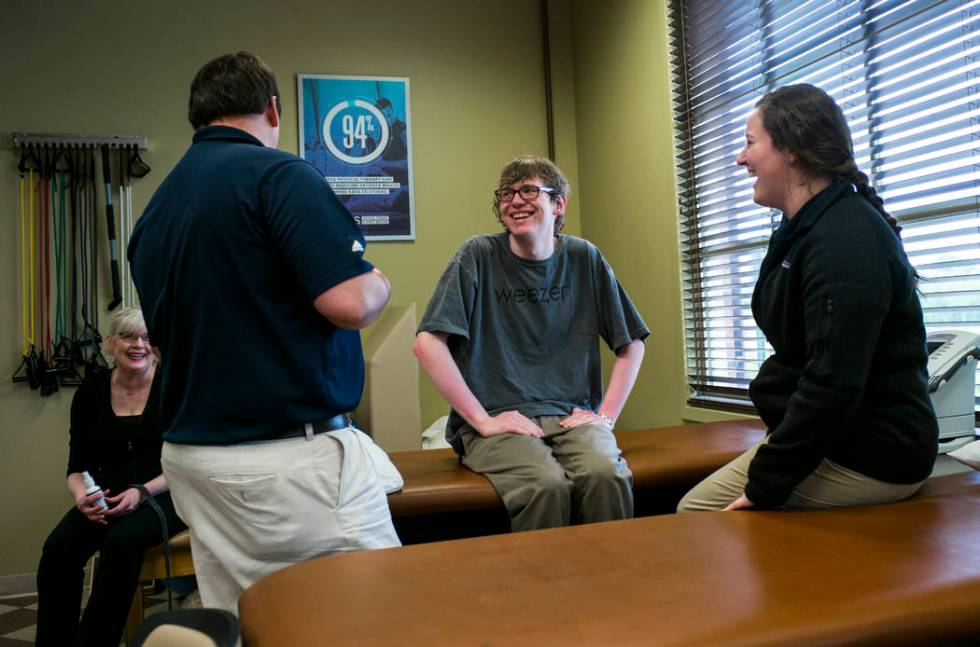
844 394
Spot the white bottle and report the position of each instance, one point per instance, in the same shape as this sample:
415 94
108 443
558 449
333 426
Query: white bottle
92 488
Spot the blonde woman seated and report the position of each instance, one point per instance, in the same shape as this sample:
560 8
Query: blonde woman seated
116 437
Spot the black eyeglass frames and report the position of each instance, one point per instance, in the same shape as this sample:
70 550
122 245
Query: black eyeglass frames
528 192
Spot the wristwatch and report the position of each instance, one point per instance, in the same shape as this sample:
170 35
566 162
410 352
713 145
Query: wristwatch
606 419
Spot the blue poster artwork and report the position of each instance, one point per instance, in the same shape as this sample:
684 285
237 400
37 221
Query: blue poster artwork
356 132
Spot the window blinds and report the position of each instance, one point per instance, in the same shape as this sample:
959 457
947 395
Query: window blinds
905 72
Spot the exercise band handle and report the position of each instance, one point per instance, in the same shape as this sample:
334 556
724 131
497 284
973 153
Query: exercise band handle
111 229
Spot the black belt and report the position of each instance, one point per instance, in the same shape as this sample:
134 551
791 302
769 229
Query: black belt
339 421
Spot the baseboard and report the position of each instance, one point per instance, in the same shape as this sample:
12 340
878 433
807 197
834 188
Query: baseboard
26 583
23 584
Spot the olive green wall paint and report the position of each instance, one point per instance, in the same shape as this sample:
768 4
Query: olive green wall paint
626 191
476 71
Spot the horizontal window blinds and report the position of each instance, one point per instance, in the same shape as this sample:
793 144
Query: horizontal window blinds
905 72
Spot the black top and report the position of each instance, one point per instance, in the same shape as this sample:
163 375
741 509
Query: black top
231 252
117 451
836 299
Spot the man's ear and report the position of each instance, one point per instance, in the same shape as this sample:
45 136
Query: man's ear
560 203
272 111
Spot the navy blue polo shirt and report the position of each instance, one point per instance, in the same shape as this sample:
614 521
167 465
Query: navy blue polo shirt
228 257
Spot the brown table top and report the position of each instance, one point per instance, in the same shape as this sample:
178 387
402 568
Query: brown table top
685 454
907 573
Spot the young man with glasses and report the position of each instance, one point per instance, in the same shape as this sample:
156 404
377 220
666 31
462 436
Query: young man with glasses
511 339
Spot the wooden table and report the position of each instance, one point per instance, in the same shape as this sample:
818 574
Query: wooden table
908 573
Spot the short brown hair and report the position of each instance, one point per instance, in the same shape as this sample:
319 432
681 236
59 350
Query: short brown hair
527 166
231 86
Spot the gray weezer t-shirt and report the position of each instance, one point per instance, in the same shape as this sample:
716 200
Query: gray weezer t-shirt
525 334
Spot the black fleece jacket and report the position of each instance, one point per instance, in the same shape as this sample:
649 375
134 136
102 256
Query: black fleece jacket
836 299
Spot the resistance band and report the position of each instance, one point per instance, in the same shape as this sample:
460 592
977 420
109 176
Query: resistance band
110 224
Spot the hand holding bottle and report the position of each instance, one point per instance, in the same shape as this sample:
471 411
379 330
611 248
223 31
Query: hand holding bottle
92 503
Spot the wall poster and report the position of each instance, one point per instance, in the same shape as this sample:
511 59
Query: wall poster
356 131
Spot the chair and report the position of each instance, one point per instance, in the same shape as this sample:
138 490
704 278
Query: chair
154 569
188 628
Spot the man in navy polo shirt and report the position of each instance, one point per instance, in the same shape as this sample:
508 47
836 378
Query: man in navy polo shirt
252 278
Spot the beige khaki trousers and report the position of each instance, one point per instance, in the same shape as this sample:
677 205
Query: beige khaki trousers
829 486
258 507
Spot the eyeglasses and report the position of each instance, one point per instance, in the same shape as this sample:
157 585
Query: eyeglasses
131 337
528 192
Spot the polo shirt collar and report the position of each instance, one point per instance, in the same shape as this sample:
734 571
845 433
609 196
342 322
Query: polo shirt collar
226 134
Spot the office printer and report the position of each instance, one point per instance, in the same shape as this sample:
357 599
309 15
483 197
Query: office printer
952 382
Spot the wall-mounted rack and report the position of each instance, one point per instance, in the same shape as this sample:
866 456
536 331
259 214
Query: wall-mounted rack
20 140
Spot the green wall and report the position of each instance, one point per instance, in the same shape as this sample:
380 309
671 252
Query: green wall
626 193
626 190
477 100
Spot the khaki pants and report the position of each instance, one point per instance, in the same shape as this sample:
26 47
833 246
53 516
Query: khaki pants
569 476
256 508
829 486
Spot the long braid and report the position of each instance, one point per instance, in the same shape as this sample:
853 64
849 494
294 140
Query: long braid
854 175
864 187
